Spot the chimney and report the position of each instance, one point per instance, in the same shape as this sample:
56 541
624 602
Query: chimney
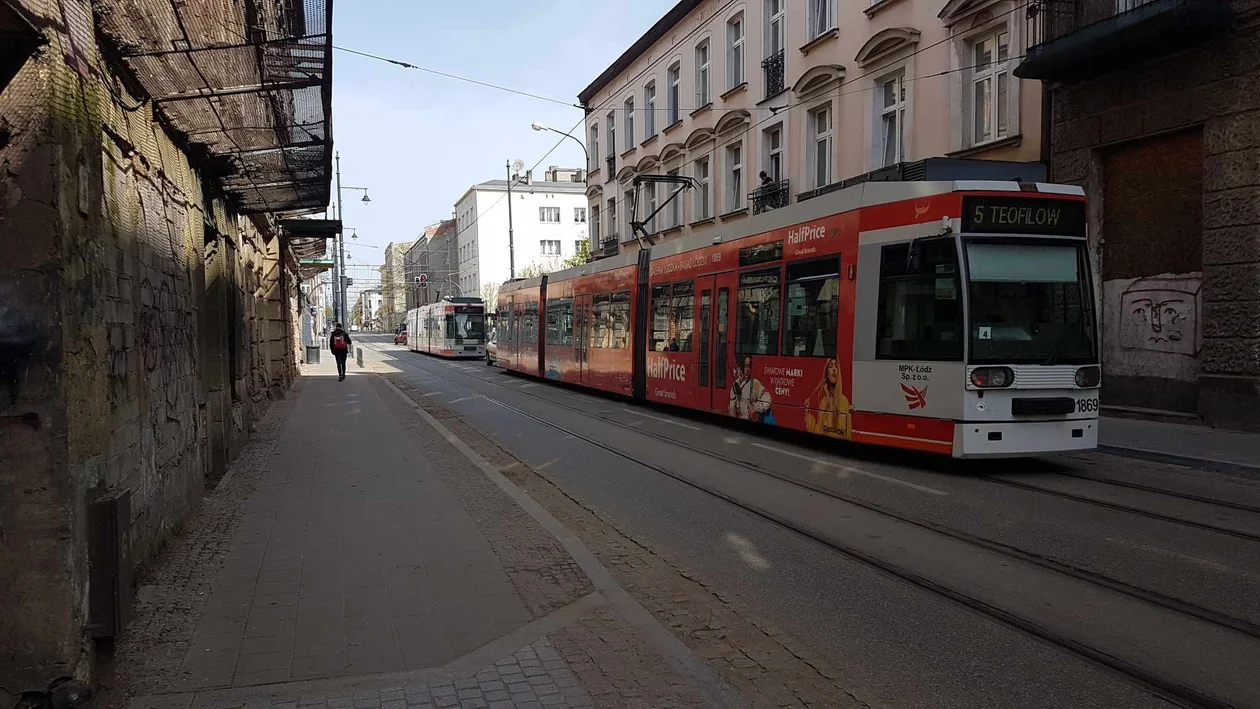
529 177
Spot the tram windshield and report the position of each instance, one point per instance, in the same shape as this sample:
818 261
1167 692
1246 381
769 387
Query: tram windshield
466 326
1030 302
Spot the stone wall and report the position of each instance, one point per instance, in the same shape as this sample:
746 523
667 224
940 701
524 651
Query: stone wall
143 328
1212 92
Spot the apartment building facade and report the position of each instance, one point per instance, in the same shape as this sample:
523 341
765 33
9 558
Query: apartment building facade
1155 111
763 103
433 255
548 224
393 286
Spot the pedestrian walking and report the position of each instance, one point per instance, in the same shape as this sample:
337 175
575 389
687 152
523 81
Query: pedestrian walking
339 342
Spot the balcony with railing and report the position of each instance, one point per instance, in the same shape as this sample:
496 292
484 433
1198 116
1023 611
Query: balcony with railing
775 67
1073 40
771 195
608 246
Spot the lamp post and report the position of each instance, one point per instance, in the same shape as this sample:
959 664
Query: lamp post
343 314
540 127
511 245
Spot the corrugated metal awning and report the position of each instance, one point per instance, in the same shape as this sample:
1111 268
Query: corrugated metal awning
250 80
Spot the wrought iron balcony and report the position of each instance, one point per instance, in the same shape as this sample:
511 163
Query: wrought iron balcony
610 162
770 196
1074 40
608 246
775 67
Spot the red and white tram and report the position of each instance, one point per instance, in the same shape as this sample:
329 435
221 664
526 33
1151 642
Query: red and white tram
950 317
451 327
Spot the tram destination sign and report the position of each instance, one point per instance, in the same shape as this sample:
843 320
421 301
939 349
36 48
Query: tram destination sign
1023 215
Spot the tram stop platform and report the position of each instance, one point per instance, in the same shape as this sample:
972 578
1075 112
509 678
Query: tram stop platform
358 554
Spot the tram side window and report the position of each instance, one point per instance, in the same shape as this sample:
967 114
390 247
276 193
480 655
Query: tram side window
510 315
757 313
619 311
601 322
682 317
560 322
529 324
920 311
660 318
813 308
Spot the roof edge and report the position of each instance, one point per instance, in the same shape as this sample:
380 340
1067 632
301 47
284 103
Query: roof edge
636 50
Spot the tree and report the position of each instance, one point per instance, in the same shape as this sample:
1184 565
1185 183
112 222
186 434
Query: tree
490 294
580 258
356 314
538 268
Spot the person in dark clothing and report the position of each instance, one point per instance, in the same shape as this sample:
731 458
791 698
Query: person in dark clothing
339 342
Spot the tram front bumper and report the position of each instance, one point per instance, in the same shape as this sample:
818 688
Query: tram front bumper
987 439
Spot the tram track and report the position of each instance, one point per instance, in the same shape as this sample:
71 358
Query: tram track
1169 690
1219 529
1253 509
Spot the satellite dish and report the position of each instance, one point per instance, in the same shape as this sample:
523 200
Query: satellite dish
518 165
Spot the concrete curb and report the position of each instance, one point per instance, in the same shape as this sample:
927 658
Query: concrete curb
1218 466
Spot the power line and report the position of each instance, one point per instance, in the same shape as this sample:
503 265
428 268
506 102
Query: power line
409 65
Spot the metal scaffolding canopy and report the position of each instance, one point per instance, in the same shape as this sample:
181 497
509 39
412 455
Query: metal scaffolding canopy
251 80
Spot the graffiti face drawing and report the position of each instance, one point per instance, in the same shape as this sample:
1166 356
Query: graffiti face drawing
1161 315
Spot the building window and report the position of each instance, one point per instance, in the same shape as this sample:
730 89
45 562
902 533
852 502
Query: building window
920 310
990 87
734 177
550 247
702 74
577 246
595 232
702 188
612 134
776 19
820 146
594 148
772 138
629 126
649 110
821 17
612 218
673 211
579 215
735 51
549 215
675 79
628 200
892 120
651 208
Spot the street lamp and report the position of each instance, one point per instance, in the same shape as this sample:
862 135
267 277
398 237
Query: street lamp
341 243
540 127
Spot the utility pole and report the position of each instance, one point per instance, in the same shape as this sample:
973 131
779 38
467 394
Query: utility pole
511 246
341 253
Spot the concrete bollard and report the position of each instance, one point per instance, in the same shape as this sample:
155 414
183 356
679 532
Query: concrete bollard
358 355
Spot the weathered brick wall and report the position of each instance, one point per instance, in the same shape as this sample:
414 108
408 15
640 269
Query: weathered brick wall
1216 90
113 344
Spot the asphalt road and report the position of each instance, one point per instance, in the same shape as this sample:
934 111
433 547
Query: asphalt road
1086 580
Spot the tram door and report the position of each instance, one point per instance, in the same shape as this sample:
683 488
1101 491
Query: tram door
714 323
582 336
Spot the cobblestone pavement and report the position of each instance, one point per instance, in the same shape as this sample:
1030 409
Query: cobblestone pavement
767 666
498 612
535 676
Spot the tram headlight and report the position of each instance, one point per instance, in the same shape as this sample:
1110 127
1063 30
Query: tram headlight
992 377
1088 377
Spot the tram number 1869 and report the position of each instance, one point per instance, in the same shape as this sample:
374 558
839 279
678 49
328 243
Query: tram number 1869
1086 405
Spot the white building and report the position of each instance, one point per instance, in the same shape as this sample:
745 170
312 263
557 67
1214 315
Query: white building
548 226
370 302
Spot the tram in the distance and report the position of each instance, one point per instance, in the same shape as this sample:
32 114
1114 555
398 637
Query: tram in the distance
451 327
955 317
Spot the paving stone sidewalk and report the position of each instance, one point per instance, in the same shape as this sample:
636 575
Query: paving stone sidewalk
354 559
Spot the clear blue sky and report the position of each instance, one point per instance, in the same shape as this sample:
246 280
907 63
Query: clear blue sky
418 141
